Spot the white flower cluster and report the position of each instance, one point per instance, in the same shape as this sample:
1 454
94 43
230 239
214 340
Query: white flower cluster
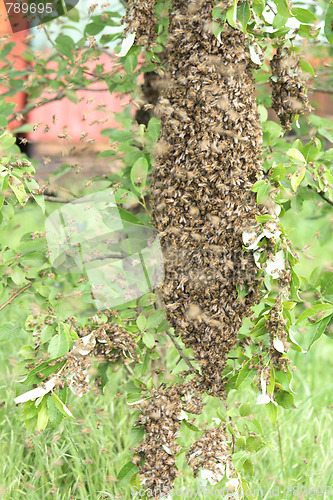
263 398
276 264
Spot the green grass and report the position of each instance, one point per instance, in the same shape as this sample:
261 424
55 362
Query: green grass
83 460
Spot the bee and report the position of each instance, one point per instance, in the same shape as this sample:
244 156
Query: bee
92 8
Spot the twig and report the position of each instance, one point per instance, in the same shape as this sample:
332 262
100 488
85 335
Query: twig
318 89
181 354
321 194
233 437
16 295
61 188
56 199
271 9
32 106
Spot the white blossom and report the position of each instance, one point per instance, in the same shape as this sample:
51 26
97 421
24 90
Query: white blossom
183 416
275 265
84 345
232 484
251 239
213 477
263 398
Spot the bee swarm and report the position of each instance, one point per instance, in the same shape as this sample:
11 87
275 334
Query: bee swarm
201 195
288 89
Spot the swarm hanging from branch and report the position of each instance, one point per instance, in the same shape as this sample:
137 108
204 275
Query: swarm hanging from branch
208 158
289 97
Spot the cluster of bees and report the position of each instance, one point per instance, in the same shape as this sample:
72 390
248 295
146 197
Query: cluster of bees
211 453
160 417
289 97
106 343
141 18
207 160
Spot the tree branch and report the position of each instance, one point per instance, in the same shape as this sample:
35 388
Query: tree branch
181 354
322 195
16 295
32 106
55 199
318 89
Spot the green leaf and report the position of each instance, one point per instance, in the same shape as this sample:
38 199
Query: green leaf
147 300
29 410
61 406
93 29
285 399
307 31
7 140
328 29
18 276
44 368
258 7
59 345
107 153
65 45
73 15
245 409
55 415
42 418
245 376
244 15
297 178
18 189
253 443
27 352
192 427
154 128
126 472
231 15
26 127
279 21
239 458
311 333
271 410
259 329
141 322
282 8
148 339
271 131
263 113
139 173
295 154
304 16
155 318
319 310
306 67
117 135
136 434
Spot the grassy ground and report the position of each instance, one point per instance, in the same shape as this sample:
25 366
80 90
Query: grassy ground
83 460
